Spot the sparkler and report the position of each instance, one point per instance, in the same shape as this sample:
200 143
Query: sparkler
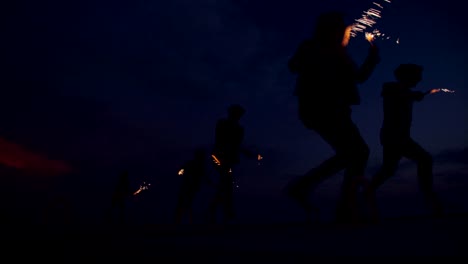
181 172
437 90
143 187
369 19
216 160
447 90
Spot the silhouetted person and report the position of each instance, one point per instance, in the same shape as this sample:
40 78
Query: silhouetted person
229 135
395 136
326 88
120 195
194 174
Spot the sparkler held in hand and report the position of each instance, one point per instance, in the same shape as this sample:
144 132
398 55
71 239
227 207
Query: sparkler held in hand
143 187
395 137
437 90
193 174
368 20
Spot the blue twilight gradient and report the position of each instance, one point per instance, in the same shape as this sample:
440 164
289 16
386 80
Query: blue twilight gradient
107 85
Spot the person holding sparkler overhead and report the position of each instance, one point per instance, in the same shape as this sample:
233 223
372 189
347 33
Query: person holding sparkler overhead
326 88
395 135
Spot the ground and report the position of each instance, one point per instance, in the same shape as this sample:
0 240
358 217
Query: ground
403 237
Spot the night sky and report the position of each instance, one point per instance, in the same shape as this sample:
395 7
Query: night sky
102 86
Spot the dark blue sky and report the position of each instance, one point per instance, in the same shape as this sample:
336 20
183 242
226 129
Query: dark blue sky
105 85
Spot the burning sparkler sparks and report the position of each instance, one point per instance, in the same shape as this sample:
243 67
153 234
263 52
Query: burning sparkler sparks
143 187
369 19
181 172
447 90
437 90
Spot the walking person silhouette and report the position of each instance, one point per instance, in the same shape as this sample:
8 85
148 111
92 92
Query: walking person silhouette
193 175
395 136
326 88
229 135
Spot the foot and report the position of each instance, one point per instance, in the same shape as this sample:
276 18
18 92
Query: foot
437 209
301 198
371 202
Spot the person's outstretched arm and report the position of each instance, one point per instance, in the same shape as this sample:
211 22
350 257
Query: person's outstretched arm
417 95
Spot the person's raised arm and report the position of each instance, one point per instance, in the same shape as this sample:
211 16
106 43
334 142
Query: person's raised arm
369 64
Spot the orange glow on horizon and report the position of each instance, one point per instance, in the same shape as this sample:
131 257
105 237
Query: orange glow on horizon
18 157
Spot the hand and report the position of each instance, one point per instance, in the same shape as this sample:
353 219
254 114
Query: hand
419 95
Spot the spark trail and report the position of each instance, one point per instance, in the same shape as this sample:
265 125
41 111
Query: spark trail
368 20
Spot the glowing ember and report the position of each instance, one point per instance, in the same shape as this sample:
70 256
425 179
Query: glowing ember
259 159
433 91
216 160
369 37
143 187
181 172
347 36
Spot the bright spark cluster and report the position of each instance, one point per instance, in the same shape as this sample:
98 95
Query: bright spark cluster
143 187
436 90
368 20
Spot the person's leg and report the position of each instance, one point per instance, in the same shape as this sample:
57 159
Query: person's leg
299 188
219 199
213 206
424 162
181 209
391 159
227 194
355 153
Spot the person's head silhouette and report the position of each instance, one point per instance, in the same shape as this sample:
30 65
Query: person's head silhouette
408 74
235 112
332 29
